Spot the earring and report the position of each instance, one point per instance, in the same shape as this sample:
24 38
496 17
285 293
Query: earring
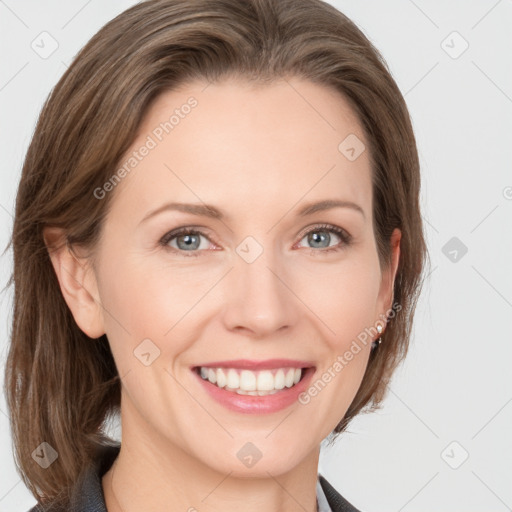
378 341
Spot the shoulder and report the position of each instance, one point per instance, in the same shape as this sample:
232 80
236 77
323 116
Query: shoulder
87 493
336 501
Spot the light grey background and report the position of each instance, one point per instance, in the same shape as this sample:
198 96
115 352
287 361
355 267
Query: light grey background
453 396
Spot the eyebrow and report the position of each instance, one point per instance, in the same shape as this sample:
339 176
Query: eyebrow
206 210
328 204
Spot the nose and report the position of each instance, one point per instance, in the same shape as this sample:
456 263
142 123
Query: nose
259 297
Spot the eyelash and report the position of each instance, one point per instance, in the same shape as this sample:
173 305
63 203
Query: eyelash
345 237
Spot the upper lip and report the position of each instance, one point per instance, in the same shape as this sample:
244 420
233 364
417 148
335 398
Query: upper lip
267 364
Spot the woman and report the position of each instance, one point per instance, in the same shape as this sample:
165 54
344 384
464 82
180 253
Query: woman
218 237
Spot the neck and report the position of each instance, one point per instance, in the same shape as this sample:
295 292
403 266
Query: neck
149 479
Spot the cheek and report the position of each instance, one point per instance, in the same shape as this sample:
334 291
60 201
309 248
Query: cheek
146 298
342 294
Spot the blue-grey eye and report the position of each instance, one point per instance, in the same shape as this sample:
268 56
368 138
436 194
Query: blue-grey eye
321 238
186 240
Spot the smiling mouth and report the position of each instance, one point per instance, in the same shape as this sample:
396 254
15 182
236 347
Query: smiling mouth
255 383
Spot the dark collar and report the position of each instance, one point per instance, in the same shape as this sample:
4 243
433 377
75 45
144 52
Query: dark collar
88 494
336 501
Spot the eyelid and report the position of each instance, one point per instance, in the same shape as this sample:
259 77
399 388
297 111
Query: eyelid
345 237
173 233
343 234
328 227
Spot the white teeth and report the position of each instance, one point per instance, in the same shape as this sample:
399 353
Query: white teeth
233 379
247 382
212 375
221 378
279 379
265 381
288 380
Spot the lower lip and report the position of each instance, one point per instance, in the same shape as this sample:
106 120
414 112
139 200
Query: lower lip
250 404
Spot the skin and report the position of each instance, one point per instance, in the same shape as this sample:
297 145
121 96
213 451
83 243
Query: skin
259 154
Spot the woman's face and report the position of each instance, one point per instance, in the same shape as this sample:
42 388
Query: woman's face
249 282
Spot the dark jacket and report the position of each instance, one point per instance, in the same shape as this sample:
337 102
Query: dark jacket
88 494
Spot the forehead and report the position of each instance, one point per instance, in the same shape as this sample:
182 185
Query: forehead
247 148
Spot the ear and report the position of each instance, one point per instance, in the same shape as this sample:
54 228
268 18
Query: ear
77 282
386 292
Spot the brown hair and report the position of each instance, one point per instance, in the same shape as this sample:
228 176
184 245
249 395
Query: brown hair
61 386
